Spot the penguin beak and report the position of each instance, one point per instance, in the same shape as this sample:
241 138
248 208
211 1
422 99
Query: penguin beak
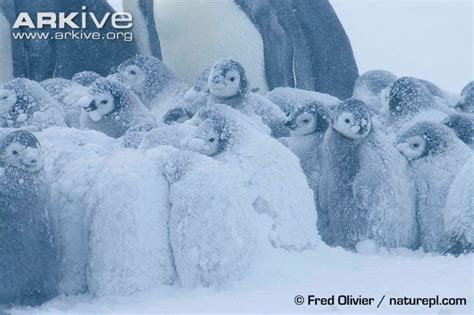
218 79
290 125
91 107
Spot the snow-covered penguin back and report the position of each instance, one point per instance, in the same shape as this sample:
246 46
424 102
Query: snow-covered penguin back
274 176
212 223
459 212
128 209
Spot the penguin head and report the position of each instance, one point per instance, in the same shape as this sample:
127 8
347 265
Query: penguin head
227 79
352 119
462 125
86 78
373 88
408 95
104 97
310 118
7 101
21 150
424 139
146 75
466 103
214 134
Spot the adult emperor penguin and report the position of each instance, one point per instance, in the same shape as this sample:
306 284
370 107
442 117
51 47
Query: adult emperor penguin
281 43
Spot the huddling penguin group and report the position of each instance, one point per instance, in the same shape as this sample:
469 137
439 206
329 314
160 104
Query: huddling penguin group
118 184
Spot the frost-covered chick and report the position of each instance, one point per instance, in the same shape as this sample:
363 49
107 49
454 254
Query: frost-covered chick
366 198
25 103
410 101
112 108
212 223
466 103
72 159
156 85
458 213
86 78
275 180
373 88
228 85
128 210
463 127
290 99
307 125
67 93
436 156
28 254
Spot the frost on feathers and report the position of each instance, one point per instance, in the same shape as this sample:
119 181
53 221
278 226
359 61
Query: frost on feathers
365 192
372 88
228 85
274 177
466 103
459 212
128 209
112 108
156 85
85 78
463 127
431 146
72 160
67 93
28 264
290 99
24 103
410 101
308 125
212 222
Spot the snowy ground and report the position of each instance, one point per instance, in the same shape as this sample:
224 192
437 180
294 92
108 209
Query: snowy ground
273 284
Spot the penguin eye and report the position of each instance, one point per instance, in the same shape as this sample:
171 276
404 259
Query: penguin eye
212 140
232 79
104 102
4 97
132 72
347 120
416 145
14 152
305 121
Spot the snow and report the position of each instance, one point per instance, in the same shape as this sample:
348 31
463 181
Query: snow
276 279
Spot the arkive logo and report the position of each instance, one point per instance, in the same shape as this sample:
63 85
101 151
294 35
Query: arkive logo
73 20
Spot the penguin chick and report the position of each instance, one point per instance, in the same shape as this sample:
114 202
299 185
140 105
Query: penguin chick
112 108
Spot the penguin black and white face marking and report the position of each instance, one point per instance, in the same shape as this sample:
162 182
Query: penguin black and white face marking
21 150
135 77
227 79
353 119
104 97
7 101
423 139
177 115
308 119
97 106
